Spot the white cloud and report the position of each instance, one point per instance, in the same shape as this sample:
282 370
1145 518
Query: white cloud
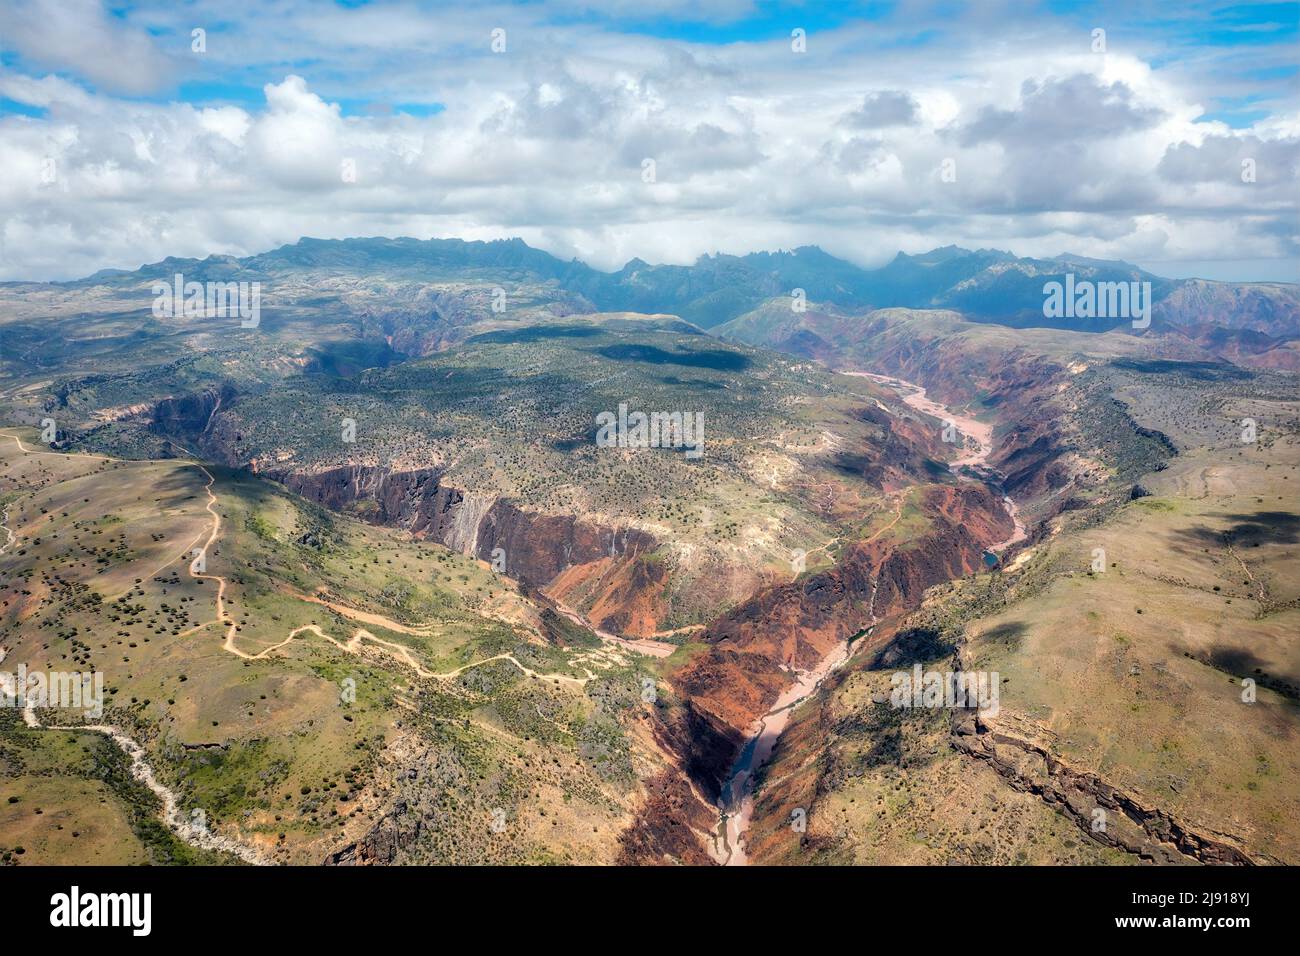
1056 149
78 35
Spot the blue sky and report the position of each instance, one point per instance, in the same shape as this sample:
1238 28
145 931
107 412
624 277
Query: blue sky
890 126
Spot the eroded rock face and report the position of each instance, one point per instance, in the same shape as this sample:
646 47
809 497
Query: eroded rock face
1147 832
907 453
415 499
607 571
536 547
796 625
669 828
623 595
723 691
188 414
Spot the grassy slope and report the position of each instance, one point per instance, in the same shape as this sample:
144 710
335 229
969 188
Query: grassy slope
267 747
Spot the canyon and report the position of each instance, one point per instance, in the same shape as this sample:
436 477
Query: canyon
736 798
758 661
638 656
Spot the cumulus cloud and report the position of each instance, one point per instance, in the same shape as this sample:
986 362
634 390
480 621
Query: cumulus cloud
79 35
1055 111
884 108
1224 159
1045 148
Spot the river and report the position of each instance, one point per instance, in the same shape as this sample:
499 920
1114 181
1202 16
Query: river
193 832
736 804
972 463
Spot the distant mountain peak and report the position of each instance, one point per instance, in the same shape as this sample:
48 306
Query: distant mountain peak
952 253
1072 259
989 285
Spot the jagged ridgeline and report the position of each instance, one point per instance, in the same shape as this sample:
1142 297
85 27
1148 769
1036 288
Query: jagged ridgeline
415 296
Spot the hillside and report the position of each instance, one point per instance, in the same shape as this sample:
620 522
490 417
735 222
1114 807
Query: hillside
1124 639
321 689
421 472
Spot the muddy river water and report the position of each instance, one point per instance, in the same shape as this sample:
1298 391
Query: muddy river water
736 805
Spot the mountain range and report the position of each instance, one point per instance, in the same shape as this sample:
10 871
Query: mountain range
984 284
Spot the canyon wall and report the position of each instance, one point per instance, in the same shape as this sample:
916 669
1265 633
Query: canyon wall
744 669
536 548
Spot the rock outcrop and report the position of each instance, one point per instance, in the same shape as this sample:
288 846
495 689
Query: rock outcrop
1106 813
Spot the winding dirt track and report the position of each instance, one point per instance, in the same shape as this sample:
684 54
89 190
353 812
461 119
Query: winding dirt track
352 646
56 454
191 832
898 514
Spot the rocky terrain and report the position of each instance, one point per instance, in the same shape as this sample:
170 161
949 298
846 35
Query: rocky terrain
1129 707
567 652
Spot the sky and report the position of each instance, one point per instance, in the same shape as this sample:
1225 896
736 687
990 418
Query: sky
1165 134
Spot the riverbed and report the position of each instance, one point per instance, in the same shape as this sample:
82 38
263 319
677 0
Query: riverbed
736 804
972 464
